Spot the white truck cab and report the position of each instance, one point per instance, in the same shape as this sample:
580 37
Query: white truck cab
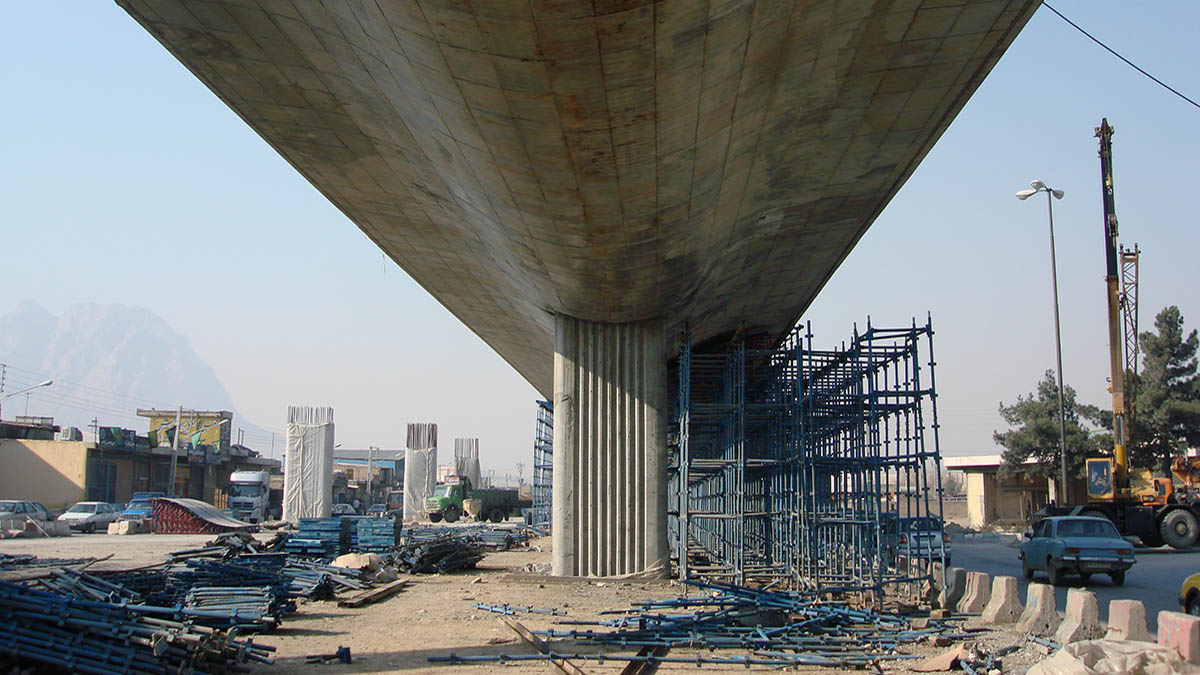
250 495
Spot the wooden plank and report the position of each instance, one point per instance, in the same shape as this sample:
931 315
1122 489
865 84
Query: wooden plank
540 645
374 594
646 667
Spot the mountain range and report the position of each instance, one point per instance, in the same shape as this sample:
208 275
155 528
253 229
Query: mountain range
106 361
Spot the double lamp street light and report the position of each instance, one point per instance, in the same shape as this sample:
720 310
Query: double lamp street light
1037 186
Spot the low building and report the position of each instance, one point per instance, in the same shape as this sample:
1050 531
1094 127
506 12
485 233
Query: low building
60 473
991 499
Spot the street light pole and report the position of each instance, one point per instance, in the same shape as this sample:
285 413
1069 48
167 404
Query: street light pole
26 391
1051 195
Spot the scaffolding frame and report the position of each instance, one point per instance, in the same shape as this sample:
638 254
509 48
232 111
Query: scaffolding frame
543 466
798 467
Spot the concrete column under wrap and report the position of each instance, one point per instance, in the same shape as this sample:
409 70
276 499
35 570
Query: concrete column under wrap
610 449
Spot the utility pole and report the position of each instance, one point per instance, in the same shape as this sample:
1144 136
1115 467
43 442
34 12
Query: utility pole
370 468
174 452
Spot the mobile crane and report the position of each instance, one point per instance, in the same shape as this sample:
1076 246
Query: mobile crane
1152 510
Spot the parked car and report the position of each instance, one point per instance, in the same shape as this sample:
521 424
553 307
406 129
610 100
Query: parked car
344 510
1189 595
917 537
1076 544
138 509
15 508
89 516
377 510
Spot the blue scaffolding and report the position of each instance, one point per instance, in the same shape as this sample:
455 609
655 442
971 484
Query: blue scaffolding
543 465
798 467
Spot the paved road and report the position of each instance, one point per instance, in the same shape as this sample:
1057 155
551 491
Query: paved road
1154 579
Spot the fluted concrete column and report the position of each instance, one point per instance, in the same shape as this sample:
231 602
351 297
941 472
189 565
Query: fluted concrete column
610 449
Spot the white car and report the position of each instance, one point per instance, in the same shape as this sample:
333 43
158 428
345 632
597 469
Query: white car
15 508
89 516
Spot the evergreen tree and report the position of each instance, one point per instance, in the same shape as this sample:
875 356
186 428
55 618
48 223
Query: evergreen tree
1035 432
1167 417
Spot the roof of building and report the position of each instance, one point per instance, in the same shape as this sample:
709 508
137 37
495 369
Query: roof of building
976 462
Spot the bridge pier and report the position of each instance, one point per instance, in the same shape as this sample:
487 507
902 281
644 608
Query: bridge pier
610 448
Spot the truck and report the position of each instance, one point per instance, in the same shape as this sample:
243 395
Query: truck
1138 502
250 495
457 496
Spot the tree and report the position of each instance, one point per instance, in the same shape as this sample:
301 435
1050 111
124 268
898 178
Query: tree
1036 431
1167 417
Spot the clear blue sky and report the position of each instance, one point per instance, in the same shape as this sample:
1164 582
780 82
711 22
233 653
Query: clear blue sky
125 180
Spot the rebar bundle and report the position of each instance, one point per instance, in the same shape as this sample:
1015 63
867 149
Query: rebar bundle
87 636
792 465
425 552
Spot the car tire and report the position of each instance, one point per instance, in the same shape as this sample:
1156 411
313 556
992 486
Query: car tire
497 515
1054 573
435 517
1118 577
1193 604
1026 570
451 514
1178 529
1085 576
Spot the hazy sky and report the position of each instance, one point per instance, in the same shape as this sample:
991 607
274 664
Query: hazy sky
125 180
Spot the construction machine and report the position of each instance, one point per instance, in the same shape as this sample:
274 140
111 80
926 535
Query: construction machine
1139 503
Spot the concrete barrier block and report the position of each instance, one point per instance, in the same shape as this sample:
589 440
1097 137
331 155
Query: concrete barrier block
1040 616
1180 632
935 570
1127 621
956 585
977 593
1005 604
1083 618
127 527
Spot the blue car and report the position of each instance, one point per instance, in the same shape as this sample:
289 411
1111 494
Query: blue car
138 509
1076 545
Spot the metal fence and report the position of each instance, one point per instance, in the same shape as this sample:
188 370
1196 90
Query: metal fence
797 466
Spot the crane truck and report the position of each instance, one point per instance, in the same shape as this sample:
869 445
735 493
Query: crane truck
1141 505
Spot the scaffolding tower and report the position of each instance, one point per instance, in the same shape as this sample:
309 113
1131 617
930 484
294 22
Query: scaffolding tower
800 467
543 464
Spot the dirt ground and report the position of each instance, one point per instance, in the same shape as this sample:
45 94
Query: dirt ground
434 616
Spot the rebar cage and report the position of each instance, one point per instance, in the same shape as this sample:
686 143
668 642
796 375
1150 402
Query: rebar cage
802 468
543 465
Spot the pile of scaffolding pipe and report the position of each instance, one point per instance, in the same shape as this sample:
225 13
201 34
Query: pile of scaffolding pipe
101 637
247 608
339 578
787 628
76 584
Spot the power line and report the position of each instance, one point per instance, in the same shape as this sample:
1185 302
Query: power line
1114 53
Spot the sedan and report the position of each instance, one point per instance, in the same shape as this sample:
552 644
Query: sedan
14 508
89 516
1075 544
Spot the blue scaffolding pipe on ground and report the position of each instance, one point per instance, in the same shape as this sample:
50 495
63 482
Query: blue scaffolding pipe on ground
794 467
543 465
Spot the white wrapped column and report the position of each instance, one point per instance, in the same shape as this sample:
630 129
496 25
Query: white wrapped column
420 469
610 454
308 464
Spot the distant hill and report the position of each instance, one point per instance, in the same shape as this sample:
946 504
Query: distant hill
106 361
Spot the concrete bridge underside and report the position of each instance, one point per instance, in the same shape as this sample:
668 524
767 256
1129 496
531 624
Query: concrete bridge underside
577 181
